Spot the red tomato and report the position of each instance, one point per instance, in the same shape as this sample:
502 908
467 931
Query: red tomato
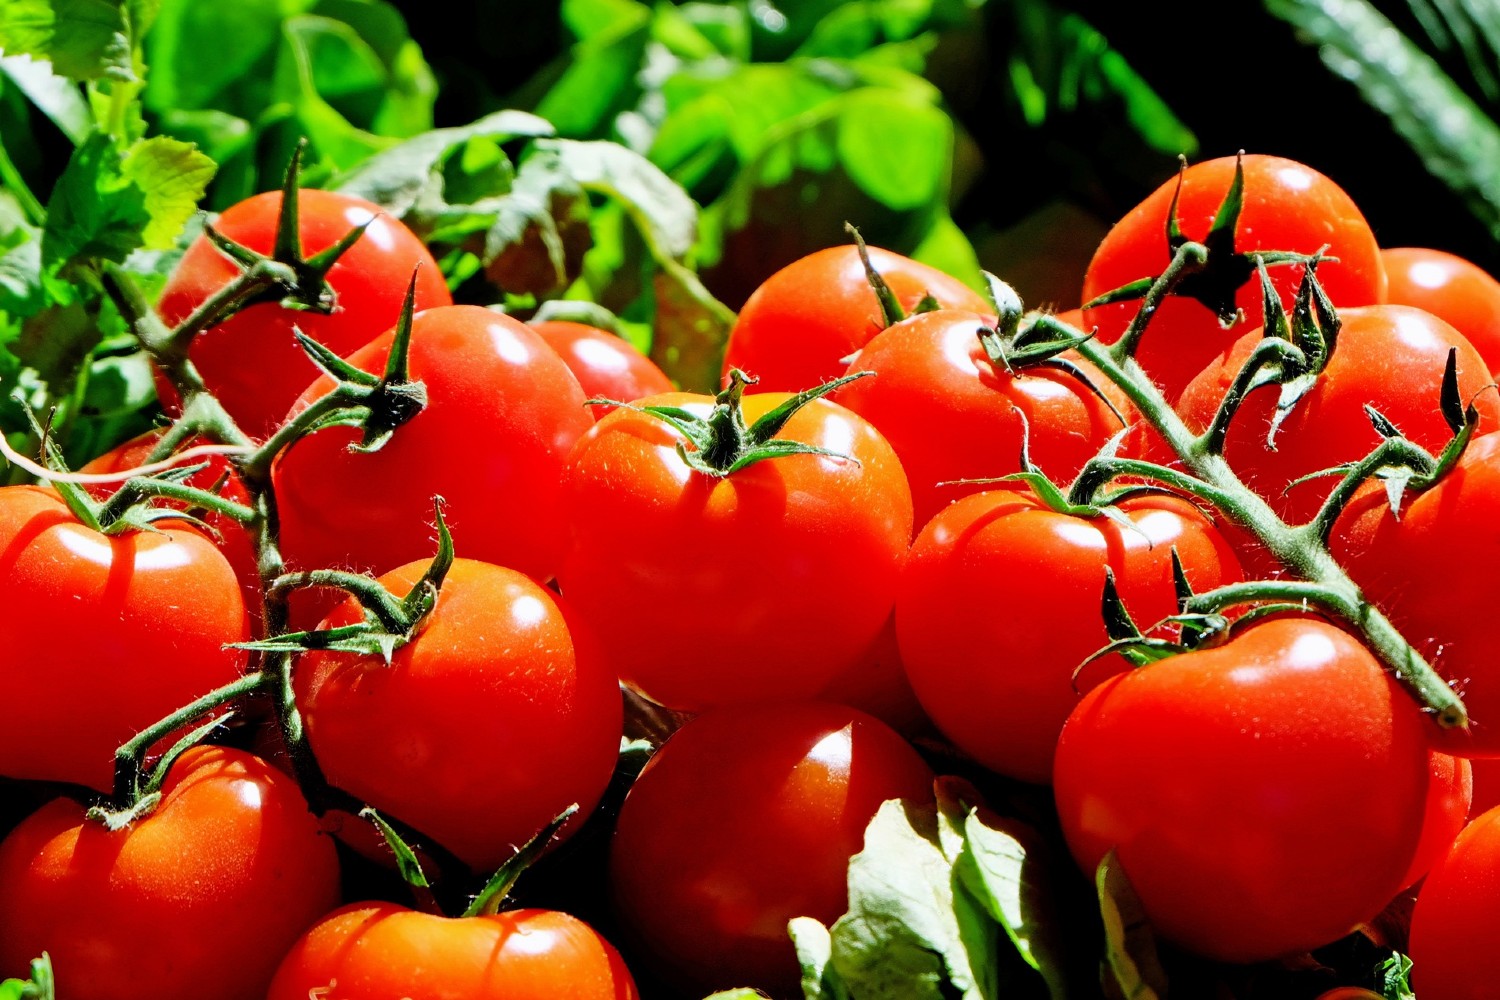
251 361
1454 289
951 414
760 585
999 604
745 818
231 537
800 326
1448 798
1287 206
502 412
381 951
1390 357
607 366
493 720
103 635
201 898
1451 946
1429 572
1264 797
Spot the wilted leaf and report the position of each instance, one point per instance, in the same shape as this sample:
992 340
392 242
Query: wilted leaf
1131 968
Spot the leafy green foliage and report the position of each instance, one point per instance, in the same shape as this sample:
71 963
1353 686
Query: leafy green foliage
343 73
1446 118
933 897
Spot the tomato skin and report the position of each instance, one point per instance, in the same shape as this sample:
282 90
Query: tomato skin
1450 287
129 628
607 366
495 718
502 413
251 361
382 951
231 537
1451 944
999 605
745 818
1287 206
1449 795
1390 357
1265 797
950 415
1428 571
201 898
761 585
799 327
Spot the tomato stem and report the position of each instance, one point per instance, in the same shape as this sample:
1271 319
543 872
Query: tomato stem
1299 548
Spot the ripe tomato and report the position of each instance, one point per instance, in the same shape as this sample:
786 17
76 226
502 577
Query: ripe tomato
251 361
999 604
877 685
745 818
230 535
103 635
1428 571
1453 956
381 951
1452 288
502 412
800 326
607 366
1264 797
1448 798
951 414
494 719
201 898
762 584
1389 357
1287 206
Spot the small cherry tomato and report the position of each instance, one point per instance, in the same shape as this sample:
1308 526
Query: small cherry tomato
496 717
607 366
1451 288
201 898
251 361
104 635
1389 357
745 818
1264 797
799 328
951 414
1287 206
382 951
1452 951
999 606
762 584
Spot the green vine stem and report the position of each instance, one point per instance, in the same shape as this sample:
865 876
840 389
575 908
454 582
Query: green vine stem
1299 548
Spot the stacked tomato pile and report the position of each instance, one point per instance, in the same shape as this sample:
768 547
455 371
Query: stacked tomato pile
378 612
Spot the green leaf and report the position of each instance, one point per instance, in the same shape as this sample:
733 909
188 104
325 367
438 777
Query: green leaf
1131 968
191 66
22 292
898 149
665 214
908 933
83 39
814 954
742 993
537 241
1456 140
173 176
600 76
1006 866
94 210
399 177
56 96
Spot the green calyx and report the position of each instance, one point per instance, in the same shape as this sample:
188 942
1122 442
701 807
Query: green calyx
1225 270
389 622
723 444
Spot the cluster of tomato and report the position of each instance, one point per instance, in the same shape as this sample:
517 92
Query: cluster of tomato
813 565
